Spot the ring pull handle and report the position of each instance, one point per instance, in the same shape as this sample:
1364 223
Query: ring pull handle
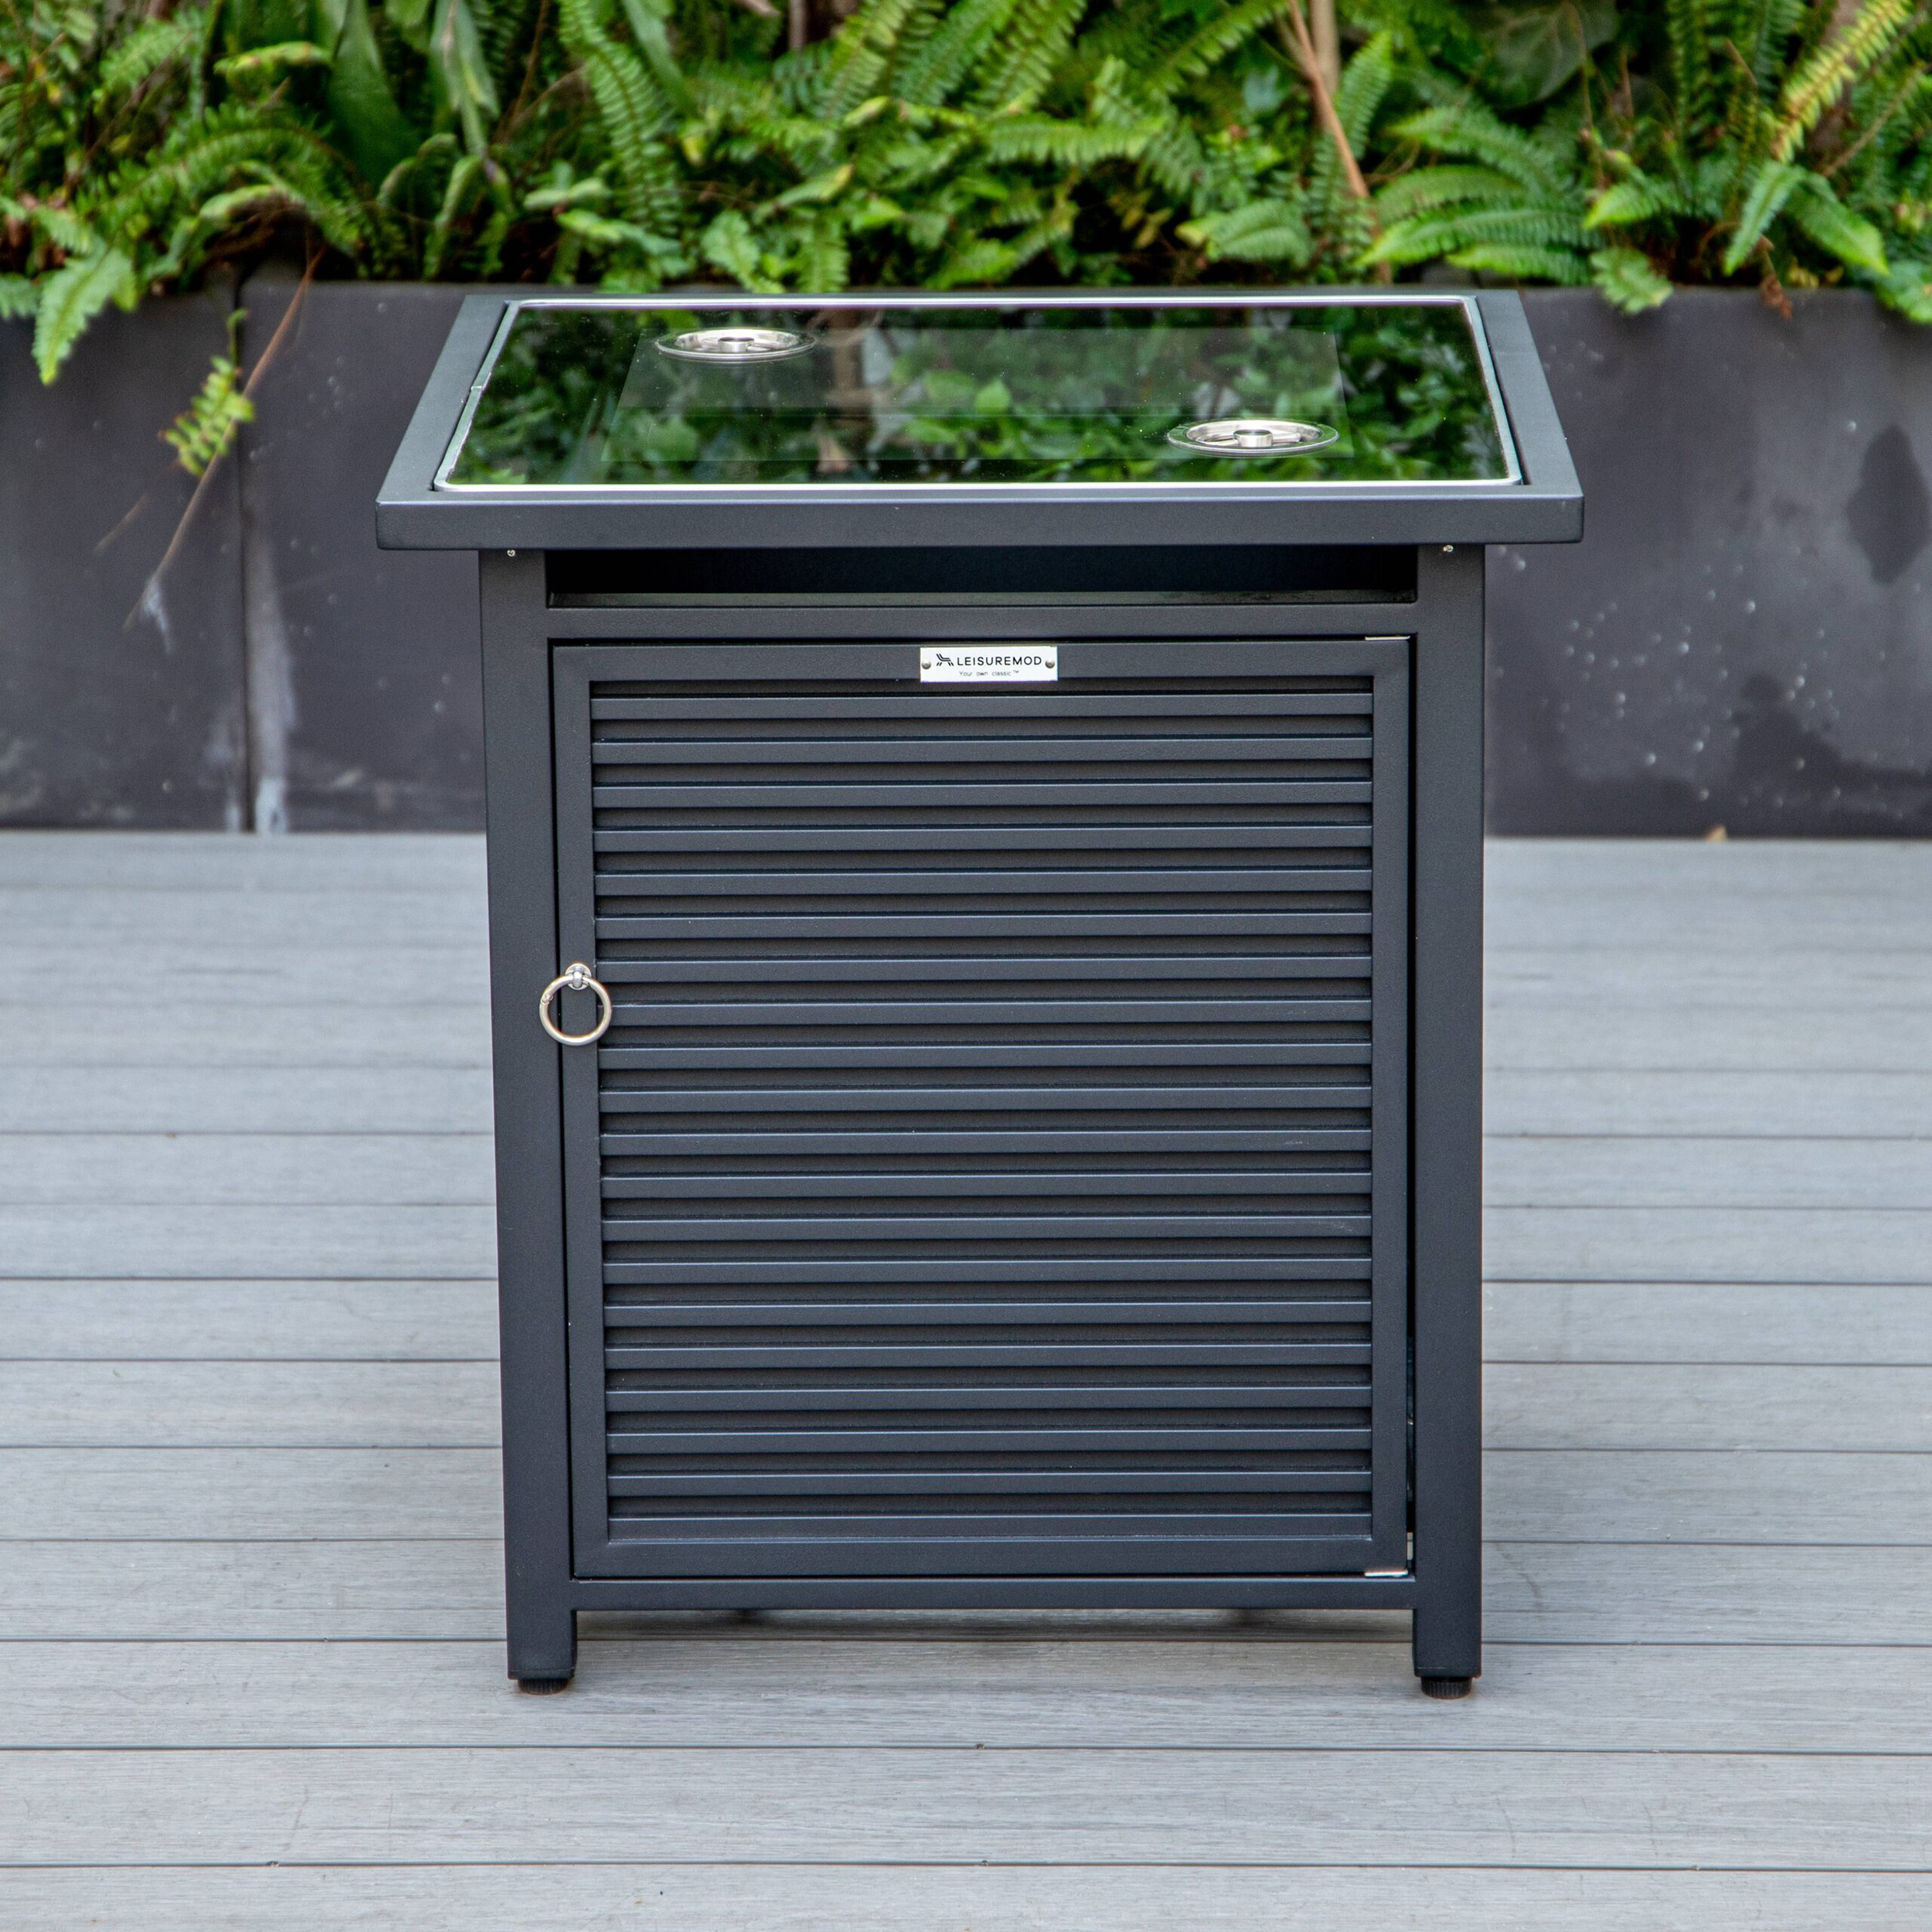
577 976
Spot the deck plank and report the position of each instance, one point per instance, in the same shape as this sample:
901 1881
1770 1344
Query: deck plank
246 1170
1667 1406
1224 1692
300 1241
194 1031
1803 1323
130 1404
1766 1244
1673 1103
296 1320
1598 1171
1707 1496
1041 1804
502 1896
279 1096
1550 1033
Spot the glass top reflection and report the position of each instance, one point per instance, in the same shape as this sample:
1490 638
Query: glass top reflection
605 396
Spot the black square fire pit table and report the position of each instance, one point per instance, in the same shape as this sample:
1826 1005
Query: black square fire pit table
986 876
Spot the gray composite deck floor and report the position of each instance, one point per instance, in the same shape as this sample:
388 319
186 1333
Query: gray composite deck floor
247 1484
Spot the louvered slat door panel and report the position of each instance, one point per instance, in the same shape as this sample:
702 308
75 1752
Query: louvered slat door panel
994 1165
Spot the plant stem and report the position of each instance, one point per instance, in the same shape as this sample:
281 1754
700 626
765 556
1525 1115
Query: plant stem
1303 48
1326 33
201 486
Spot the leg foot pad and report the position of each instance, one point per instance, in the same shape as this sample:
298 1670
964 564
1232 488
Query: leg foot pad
543 1686
1448 1687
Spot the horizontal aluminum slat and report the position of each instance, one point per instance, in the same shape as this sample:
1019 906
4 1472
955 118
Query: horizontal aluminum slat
801 1227
972 837
971 1011
978 882
1044 1269
948 1355
844 755
1075 1055
1073 1142
1150 1440
954 1313
757 1187
881 1099
994 707
1167 794
1053 1525
804 969
914 1546
1027 1399
1021 925
1282 1484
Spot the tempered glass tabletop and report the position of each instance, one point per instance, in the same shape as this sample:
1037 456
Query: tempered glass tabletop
628 395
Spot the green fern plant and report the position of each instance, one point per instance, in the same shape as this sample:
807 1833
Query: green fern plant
1770 140
145 144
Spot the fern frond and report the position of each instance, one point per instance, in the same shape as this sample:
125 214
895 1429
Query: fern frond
1821 79
1064 144
153 47
864 50
729 244
1523 262
71 297
1443 186
1824 219
1628 279
1176 163
632 111
1231 27
1639 197
1366 81
1762 36
204 432
650 24
1260 231
1450 234
1036 43
1765 194
1473 130
1908 289
945 62
824 266
1687 34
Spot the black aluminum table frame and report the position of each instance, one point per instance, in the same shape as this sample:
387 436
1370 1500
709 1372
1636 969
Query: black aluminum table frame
1442 1585
1314 535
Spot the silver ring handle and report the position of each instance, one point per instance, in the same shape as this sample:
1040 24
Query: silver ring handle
577 977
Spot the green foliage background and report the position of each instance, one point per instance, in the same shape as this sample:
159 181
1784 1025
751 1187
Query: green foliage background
945 144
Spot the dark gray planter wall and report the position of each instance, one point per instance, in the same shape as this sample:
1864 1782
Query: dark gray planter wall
1744 636
104 721
366 699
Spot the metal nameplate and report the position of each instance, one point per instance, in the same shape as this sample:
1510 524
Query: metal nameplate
989 664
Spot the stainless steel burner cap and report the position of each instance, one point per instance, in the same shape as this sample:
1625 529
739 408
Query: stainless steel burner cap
1252 436
734 343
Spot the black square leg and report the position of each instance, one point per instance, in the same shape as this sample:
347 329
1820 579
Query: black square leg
543 1648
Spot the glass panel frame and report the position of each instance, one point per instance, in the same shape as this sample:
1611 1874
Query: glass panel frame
1171 476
